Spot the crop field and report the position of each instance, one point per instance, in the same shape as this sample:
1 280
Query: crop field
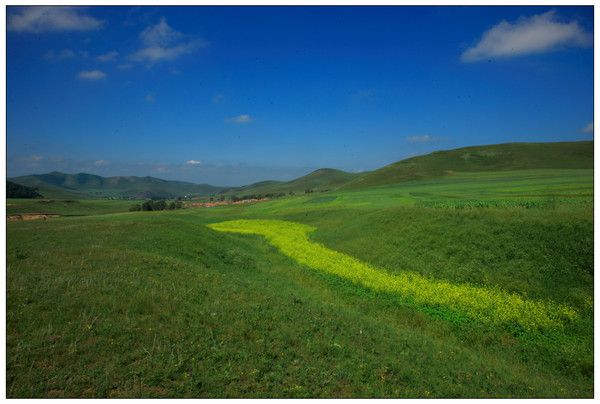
475 284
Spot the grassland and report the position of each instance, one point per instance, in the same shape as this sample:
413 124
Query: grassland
67 207
158 304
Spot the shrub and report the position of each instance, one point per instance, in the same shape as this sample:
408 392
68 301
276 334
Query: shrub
159 205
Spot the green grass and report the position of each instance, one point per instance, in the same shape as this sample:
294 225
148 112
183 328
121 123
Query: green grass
158 304
67 207
479 304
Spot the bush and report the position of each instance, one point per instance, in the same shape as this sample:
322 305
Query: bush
147 206
157 205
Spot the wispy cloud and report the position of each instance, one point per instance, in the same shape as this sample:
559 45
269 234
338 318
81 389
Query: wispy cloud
528 35
91 75
107 57
59 55
420 139
193 162
589 128
161 43
37 19
161 169
363 94
100 163
240 119
218 99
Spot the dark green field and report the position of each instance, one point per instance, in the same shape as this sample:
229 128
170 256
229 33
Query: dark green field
157 304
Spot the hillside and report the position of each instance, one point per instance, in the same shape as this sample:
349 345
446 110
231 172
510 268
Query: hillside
319 180
14 190
499 157
57 184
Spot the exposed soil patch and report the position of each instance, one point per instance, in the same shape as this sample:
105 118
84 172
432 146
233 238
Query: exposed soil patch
222 203
30 216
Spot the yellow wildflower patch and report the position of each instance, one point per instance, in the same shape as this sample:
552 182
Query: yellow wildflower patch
488 305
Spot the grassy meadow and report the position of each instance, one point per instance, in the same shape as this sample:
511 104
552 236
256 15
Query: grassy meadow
474 284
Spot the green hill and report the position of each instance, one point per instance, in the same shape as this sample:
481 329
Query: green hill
319 180
61 185
499 157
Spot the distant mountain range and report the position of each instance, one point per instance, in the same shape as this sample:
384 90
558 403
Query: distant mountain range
61 185
500 157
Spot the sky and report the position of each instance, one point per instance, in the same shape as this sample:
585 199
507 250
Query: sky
233 95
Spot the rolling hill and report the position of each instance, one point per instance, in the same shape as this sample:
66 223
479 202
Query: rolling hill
499 157
61 185
319 180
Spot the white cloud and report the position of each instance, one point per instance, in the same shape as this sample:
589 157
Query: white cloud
536 34
161 43
193 162
38 19
100 163
158 53
91 75
589 128
64 54
150 98
419 139
161 34
107 57
240 119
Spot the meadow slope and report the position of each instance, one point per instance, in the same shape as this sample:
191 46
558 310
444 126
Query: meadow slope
159 304
488 158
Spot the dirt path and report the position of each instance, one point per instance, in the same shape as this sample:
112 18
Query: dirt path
30 216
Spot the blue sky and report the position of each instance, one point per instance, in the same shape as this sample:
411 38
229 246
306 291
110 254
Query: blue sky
233 95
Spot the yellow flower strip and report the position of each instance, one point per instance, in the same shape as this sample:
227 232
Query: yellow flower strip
487 305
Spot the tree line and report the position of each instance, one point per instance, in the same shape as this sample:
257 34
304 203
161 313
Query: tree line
153 205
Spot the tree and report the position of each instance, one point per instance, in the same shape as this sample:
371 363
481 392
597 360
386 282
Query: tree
14 190
160 205
147 206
